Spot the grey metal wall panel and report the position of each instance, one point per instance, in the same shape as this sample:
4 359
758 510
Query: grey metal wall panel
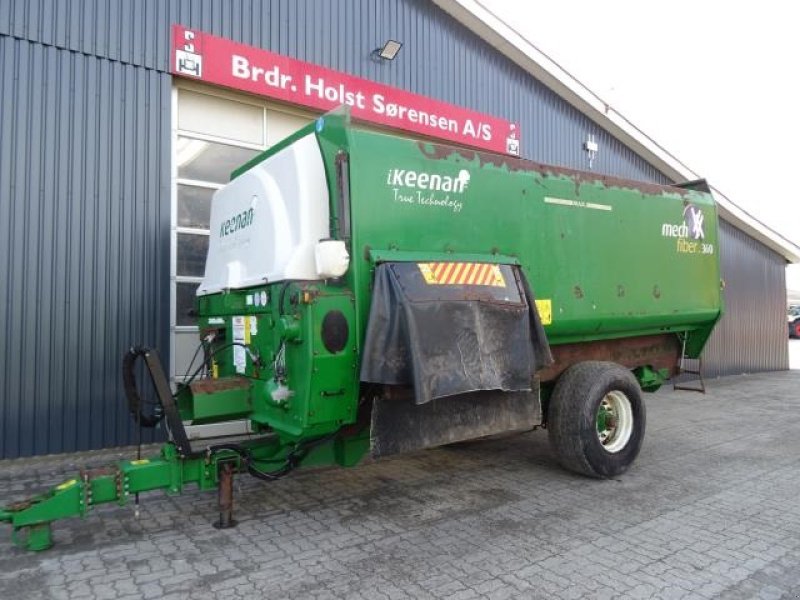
84 176
752 335
84 241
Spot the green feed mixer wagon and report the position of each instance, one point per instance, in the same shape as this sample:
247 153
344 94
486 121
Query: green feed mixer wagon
369 294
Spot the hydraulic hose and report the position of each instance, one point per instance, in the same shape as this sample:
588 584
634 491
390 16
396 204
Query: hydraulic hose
135 403
165 398
293 459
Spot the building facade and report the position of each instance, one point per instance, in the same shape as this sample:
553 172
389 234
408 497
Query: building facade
108 162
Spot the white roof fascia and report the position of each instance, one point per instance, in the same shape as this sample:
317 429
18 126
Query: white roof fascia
497 33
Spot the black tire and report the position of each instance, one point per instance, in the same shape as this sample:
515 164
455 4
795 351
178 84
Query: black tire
573 413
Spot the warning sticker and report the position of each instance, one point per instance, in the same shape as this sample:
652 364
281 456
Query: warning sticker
239 355
545 310
253 325
460 273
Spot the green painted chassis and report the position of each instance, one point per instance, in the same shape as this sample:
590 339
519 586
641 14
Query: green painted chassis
76 497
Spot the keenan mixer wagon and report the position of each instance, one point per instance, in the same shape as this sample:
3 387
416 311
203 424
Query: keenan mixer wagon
371 294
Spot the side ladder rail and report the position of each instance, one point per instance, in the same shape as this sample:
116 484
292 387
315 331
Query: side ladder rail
681 369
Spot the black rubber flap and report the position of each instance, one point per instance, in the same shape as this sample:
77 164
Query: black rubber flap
399 425
448 339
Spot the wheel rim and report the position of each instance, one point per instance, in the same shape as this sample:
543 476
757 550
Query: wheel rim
614 421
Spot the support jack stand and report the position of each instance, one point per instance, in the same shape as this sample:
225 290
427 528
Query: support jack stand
225 497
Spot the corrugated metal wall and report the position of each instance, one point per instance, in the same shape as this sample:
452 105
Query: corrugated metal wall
85 160
84 241
751 336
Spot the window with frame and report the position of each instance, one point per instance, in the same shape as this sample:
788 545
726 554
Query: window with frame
215 132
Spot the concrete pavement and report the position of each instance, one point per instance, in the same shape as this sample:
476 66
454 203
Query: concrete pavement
711 509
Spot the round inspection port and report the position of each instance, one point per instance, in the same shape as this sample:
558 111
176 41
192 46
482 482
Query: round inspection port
335 331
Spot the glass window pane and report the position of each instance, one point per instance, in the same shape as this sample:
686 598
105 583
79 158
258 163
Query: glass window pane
192 251
194 206
185 301
208 161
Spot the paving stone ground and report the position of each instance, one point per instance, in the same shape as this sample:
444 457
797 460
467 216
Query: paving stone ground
711 509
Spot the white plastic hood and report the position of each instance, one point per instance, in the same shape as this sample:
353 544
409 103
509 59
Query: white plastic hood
266 223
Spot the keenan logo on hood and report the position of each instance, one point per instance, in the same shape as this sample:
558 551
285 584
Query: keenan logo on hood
434 182
432 190
237 222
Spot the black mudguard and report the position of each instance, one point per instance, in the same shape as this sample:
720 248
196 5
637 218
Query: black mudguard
400 425
466 356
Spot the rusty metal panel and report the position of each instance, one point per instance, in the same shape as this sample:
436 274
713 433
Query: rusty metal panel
751 336
659 351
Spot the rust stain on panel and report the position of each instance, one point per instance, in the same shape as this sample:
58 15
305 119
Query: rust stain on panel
658 351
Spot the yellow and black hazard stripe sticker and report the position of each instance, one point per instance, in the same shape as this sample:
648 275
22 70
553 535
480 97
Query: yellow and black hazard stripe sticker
462 273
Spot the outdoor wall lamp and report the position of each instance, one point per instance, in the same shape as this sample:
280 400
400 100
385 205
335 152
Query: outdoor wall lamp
591 147
386 52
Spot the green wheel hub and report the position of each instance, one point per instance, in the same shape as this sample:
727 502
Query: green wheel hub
614 421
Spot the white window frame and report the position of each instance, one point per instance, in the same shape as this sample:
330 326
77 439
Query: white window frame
175 181
266 107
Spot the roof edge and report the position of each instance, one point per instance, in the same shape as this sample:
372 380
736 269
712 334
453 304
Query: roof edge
506 40
741 219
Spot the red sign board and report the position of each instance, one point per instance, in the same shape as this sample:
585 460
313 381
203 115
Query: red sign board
223 62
